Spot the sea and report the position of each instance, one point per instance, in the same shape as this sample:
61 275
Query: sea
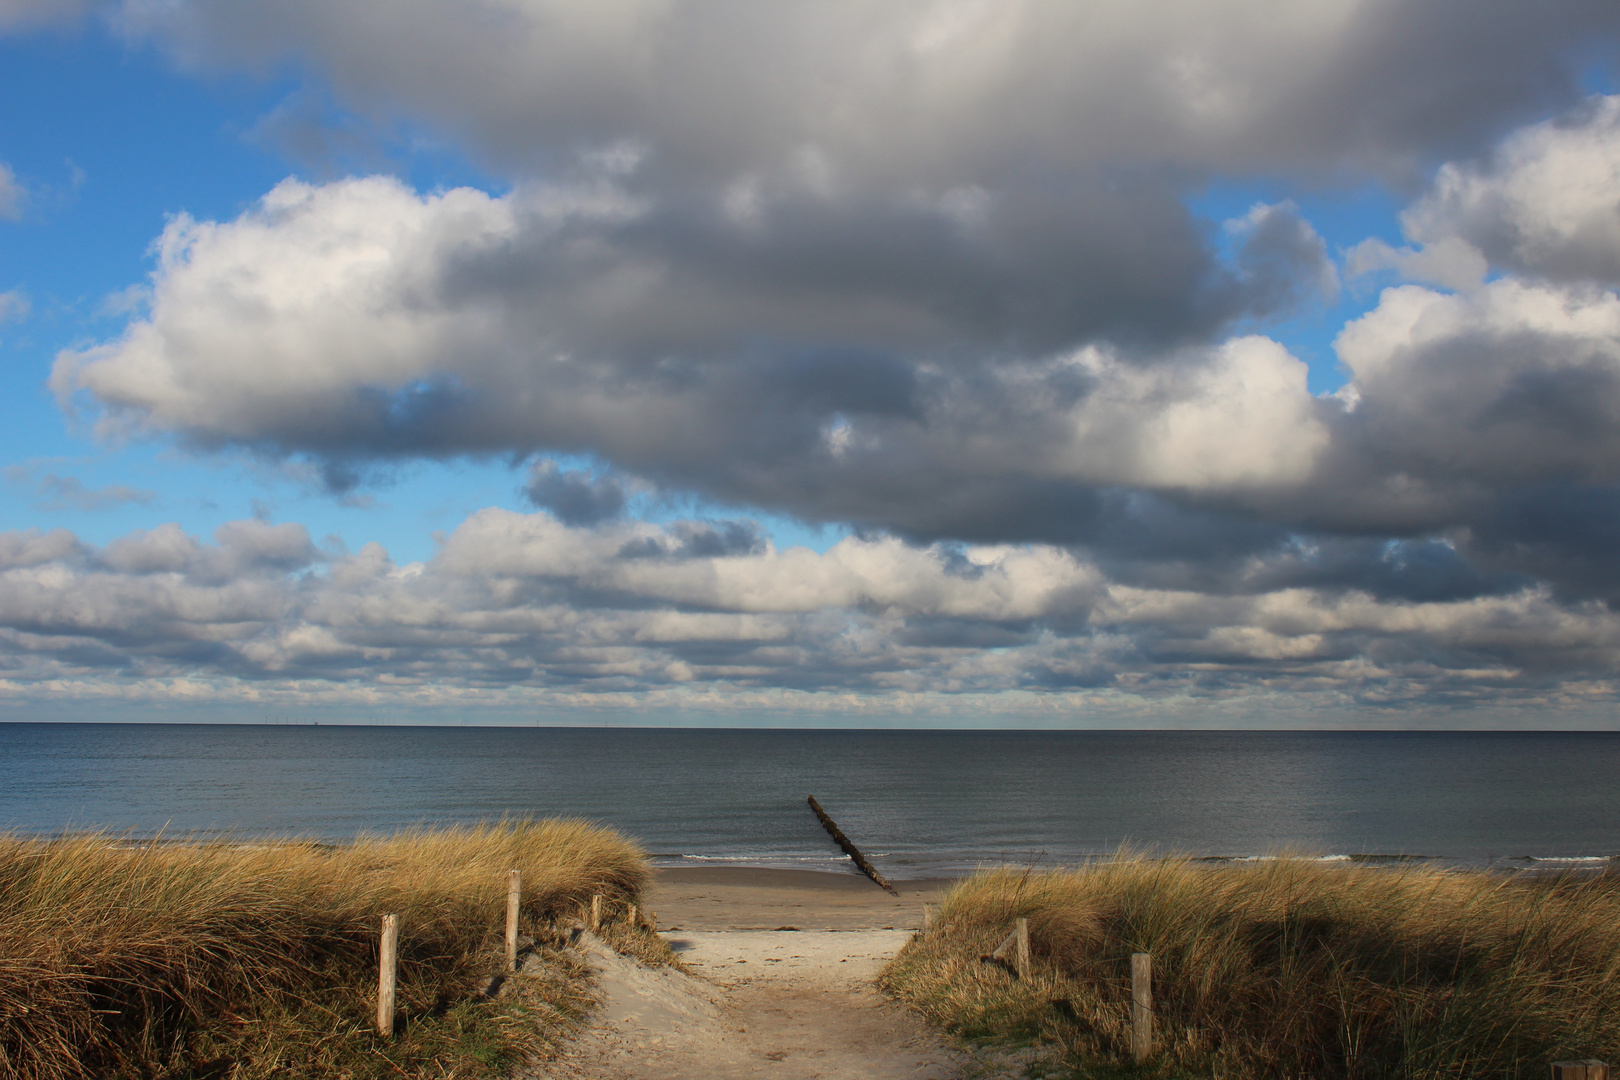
919 803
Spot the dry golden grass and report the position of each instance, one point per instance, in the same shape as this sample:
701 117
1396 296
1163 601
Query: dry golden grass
182 959
1283 968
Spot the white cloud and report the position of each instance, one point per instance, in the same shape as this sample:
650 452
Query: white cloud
13 196
1509 384
1546 203
522 601
1450 262
923 268
349 267
800 258
14 306
360 318
1237 418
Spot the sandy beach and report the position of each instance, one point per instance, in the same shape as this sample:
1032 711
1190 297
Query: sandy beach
780 982
747 898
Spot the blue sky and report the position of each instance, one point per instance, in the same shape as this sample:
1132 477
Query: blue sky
1055 405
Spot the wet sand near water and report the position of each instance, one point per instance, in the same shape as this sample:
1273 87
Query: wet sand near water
748 898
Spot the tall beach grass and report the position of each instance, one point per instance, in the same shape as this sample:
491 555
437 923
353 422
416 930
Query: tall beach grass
183 959
1285 968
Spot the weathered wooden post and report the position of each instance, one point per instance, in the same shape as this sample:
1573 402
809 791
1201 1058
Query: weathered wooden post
596 913
514 900
849 848
387 971
630 917
1017 943
1586 1069
652 922
1141 1006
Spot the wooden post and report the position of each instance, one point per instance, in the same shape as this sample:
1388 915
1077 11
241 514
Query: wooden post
1588 1069
630 917
928 918
1141 1006
850 849
387 971
596 913
1017 943
514 899
652 922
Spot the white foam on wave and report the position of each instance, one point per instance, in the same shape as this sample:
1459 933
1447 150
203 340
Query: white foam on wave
1275 858
1569 858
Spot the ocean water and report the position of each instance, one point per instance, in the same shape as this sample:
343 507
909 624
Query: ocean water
919 802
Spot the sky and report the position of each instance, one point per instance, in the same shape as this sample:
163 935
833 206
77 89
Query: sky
915 363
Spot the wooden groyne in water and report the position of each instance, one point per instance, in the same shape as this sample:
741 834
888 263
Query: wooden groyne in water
849 847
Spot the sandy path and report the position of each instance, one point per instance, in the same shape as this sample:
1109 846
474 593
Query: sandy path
779 1004
764 1000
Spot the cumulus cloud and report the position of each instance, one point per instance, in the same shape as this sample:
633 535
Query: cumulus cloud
851 290
365 320
927 269
1509 385
574 496
523 600
861 92
1278 245
1545 203
1450 262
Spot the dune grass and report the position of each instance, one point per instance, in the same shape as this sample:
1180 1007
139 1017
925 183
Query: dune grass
1286 968
186 959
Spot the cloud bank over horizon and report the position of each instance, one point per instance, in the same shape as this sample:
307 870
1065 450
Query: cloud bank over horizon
626 608
929 272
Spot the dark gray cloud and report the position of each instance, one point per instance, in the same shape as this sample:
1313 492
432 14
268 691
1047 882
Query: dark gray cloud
574 496
921 88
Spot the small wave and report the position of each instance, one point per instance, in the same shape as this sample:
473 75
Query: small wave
1375 859
1275 858
1567 858
1355 858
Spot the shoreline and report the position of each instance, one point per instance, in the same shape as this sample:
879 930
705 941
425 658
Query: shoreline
712 898
705 898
